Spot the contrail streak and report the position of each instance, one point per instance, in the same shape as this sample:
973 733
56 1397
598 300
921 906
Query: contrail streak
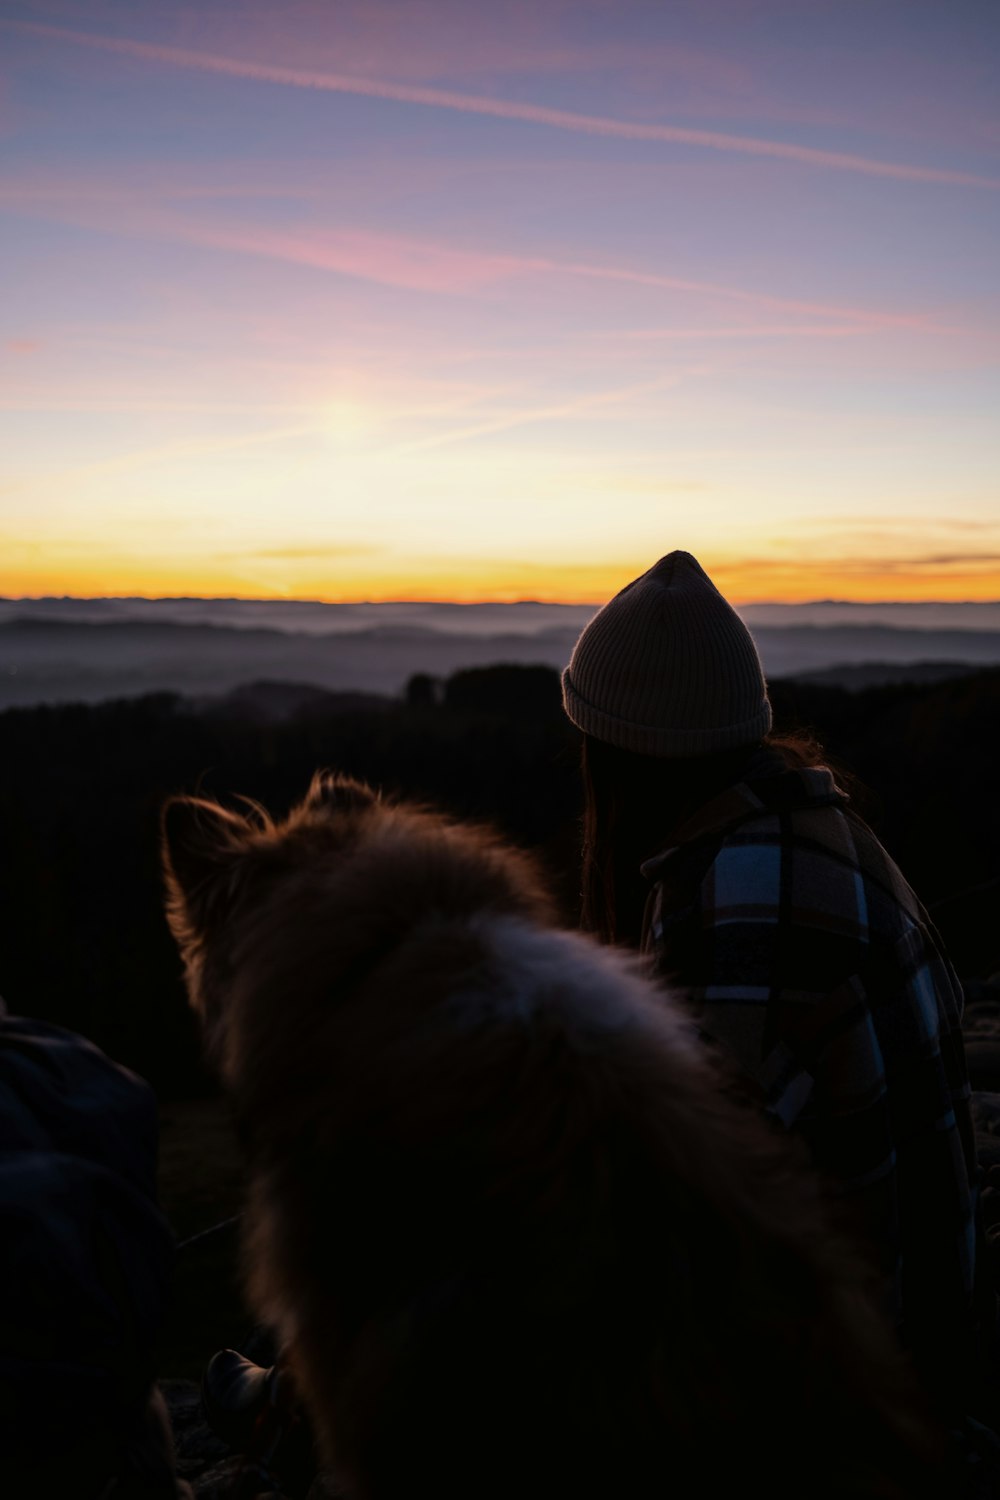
503 109
141 457
529 415
765 331
716 289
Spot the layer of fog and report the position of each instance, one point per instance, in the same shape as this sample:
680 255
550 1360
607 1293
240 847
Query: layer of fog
87 650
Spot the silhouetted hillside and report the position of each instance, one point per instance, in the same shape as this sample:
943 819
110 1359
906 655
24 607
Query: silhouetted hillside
82 938
927 757
62 651
881 673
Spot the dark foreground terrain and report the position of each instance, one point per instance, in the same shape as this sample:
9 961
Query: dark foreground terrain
82 936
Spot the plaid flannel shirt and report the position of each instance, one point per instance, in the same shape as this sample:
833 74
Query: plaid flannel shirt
808 958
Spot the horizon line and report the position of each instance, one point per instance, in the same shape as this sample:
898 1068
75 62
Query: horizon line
455 603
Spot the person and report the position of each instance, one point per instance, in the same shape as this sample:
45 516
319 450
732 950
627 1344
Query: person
736 863
88 1258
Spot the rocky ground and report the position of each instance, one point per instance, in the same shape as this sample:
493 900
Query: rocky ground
208 1465
202 1458
981 1029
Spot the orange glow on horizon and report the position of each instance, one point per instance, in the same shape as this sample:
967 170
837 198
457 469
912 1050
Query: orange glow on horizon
480 581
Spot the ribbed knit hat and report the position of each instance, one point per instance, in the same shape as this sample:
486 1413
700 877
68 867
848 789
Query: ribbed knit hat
668 668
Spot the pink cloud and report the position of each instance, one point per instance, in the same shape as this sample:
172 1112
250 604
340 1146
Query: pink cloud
534 114
744 331
390 260
395 260
432 40
169 184
869 316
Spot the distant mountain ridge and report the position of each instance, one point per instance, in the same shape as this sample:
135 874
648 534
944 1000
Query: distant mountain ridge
308 617
526 617
54 651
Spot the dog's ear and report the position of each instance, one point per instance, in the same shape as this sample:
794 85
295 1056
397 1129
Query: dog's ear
201 842
339 793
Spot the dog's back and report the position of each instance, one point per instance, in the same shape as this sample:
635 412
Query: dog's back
515 1236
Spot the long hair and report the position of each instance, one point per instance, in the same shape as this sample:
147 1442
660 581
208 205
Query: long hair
634 803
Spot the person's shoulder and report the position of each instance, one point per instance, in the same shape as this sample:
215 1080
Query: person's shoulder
823 831
60 1093
892 900
62 1060
836 850
799 865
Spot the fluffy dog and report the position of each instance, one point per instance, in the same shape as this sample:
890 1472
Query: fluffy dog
514 1235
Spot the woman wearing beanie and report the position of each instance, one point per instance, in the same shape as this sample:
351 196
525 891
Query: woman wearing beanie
738 866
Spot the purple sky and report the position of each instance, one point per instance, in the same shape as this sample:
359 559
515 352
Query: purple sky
499 300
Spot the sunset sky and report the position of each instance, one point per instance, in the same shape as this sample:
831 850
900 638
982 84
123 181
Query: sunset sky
499 299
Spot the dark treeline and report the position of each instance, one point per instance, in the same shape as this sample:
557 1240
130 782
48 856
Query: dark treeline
82 936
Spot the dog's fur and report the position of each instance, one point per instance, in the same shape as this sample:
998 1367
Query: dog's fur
516 1238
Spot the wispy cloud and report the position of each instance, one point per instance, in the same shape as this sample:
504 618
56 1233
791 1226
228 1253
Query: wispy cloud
388 259
141 458
747 331
391 260
319 552
530 415
130 406
870 565
727 293
864 523
954 559
421 265
408 262
505 109
165 188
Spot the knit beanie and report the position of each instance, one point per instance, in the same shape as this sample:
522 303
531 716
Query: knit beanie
668 668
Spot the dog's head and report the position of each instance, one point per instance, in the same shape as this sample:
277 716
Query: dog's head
285 909
222 867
